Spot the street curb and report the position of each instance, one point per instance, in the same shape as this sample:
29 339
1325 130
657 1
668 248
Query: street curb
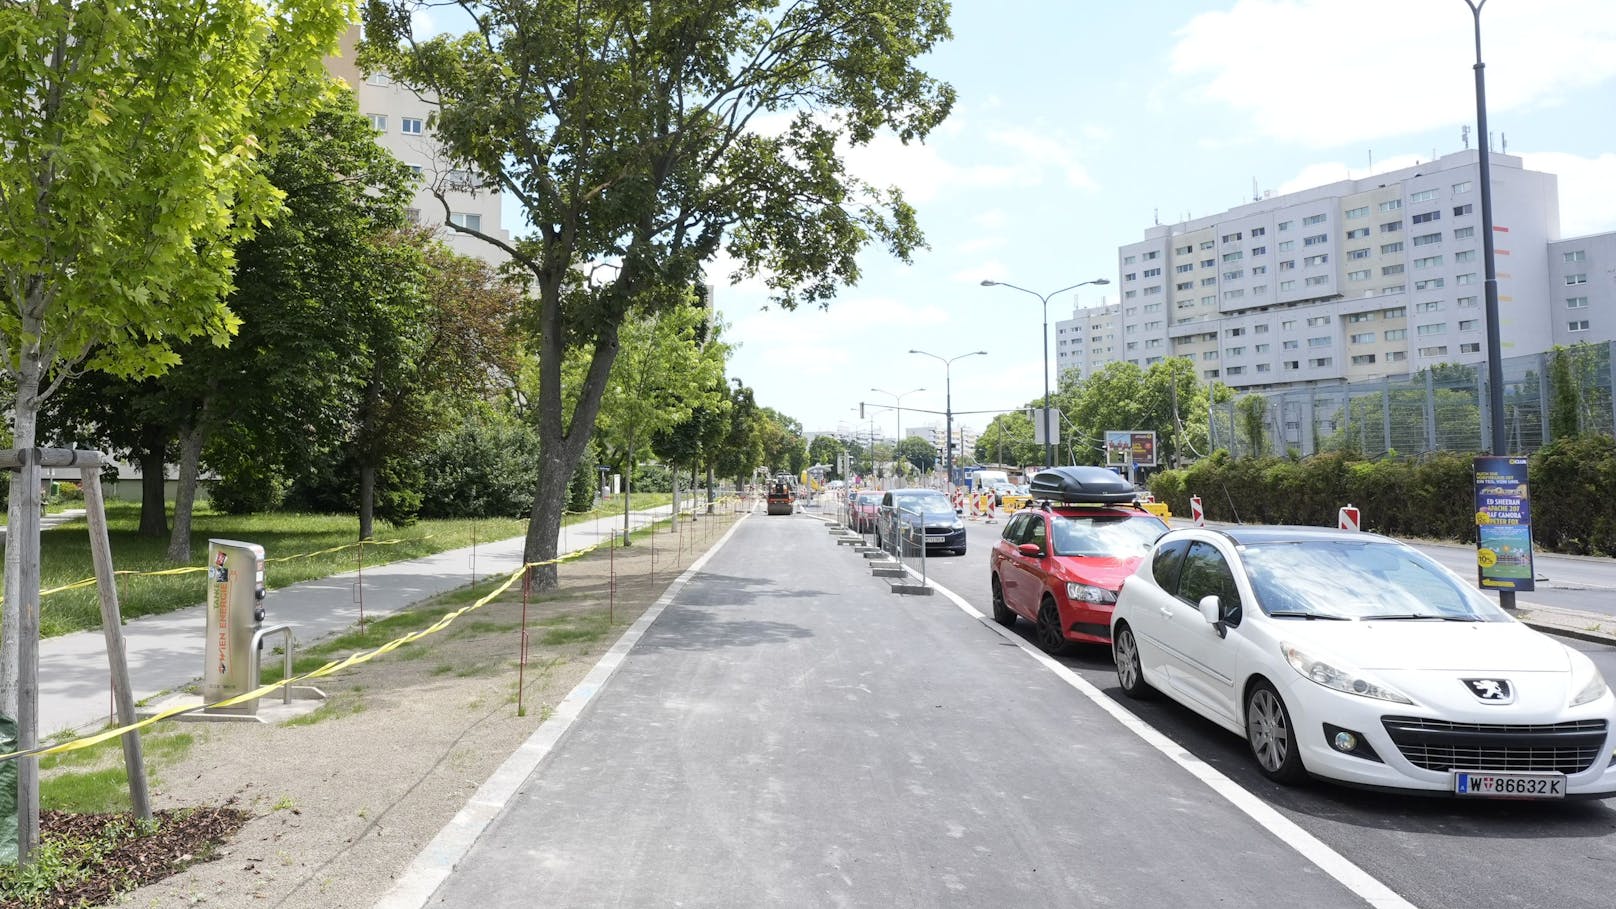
1591 637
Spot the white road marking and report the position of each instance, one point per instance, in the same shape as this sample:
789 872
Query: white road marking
1311 847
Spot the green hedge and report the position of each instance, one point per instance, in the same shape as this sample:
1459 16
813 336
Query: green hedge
1573 485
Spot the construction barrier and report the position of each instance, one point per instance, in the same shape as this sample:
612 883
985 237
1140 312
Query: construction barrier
1347 518
1197 515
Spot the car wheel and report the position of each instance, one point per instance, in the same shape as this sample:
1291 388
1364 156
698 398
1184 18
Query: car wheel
1050 636
1130 674
1271 736
1002 613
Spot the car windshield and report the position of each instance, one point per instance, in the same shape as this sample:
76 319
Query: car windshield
921 500
869 498
1105 536
1360 580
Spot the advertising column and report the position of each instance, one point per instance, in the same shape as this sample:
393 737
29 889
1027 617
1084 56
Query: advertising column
1503 524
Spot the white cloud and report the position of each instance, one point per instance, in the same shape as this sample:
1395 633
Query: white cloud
1044 151
922 172
1326 72
993 219
1324 173
1587 190
991 270
983 244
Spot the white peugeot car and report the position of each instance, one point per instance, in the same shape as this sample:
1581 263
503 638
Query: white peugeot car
1353 657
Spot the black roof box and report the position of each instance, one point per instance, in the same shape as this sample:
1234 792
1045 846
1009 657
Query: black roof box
1078 485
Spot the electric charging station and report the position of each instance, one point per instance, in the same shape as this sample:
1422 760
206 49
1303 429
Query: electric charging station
235 612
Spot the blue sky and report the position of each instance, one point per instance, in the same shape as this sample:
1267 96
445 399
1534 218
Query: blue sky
1077 123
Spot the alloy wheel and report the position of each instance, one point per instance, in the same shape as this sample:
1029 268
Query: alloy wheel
1267 730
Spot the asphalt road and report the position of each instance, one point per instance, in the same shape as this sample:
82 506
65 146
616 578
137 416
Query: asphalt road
790 733
1432 852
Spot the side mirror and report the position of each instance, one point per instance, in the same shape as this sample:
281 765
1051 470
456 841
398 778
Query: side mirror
1030 549
1211 609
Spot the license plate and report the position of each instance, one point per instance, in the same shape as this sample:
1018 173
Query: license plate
936 538
1500 785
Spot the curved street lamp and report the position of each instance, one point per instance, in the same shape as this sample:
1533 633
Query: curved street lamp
1049 445
898 437
948 409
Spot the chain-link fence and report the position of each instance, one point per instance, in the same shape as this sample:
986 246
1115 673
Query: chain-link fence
1442 408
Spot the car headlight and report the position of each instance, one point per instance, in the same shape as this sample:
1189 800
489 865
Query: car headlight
1340 679
1593 691
958 524
1088 593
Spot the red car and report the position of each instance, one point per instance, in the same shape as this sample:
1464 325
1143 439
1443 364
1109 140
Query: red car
1060 566
866 506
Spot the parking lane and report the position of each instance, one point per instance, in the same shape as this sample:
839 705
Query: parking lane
1435 852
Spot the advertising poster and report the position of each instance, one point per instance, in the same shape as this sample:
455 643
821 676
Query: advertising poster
1118 443
1503 524
1143 447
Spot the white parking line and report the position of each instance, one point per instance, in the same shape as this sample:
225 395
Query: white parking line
1312 848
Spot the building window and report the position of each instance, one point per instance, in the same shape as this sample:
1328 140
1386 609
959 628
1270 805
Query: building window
1387 249
1576 279
1316 260
413 215
1435 328
1290 345
1129 294
1263 367
1391 205
1576 302
1396 356
1183 250
1259 269
1260 328
1426 217
1428 262
1235 370
1258 231
1206 244
1316 321
1363 360
1293 364
1311 220
1577 325
1466 278
1391 269
1470 347
1235 294
1235 351
1362 212
1460 211
1358 253
1234 275
1357 233
1316 240
1360 275
1152 272
1287 285
1131 276
1287 325
1209 263
414 169
1428 239
1469 324
1187 285
1395 312
1285 225
1262 348
411 126
1391 227
1464 233
1235 256
1364 337
1151 255
1209 355
1461 188
378 122
1318 362
1433 306
1152 290
1187 266
378 79
1424 195
1440 351
467 220
1287 245
1395 334
1576 255
1230 238
1465 255
1319 342
1359 317
1259 250
1429 284
1467 302
1209 282
1234 332
1287 265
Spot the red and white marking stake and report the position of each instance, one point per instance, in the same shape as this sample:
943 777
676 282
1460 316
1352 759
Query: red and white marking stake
1347 518
1197 516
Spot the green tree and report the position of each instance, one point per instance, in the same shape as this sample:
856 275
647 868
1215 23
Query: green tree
783 445
1565 402
1252 412
826 450
740 452
1008 439
128 176
656 383
918 452
629 132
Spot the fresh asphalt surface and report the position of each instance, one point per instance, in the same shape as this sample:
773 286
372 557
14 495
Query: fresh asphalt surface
1432 852
790 733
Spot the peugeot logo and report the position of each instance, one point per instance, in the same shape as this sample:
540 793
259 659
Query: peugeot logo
1491 691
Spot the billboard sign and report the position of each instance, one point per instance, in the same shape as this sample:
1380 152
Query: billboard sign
1129 447
1503 524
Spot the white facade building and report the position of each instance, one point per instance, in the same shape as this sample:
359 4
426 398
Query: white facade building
400 117
1355 280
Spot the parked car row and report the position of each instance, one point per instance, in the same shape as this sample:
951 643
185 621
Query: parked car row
1336 654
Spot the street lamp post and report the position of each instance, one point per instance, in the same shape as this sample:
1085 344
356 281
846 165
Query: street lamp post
1049 444
948 409
898 437
1495 363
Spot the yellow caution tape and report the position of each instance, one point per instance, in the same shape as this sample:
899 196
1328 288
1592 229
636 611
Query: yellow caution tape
334 666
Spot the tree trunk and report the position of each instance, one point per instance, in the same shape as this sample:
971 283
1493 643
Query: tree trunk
367 500
179 543
153 503
673 481
711 492
19 620
628 488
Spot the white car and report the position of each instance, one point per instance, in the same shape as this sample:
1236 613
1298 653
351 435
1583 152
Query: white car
1353 657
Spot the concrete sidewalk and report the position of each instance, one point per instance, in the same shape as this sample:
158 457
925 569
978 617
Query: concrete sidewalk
165 651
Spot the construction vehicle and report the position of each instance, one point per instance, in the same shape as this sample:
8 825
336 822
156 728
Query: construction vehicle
781 496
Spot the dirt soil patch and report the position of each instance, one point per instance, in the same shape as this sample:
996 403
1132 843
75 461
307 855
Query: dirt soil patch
336 804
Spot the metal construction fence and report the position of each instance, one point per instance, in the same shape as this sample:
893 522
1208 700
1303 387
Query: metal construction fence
1441 409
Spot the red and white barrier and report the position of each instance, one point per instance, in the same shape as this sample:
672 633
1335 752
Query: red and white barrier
1197 516
1347 518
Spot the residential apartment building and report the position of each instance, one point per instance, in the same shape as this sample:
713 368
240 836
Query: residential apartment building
401 117
1355 280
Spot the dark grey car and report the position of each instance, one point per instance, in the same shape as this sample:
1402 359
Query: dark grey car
903 509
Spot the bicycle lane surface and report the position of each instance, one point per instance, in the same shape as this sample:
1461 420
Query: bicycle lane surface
789 733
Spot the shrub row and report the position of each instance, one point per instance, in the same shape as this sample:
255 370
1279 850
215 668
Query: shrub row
1573 488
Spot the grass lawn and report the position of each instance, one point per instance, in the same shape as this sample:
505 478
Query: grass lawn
65 554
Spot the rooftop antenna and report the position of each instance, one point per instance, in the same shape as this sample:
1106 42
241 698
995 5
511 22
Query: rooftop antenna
1371 153
1254 195
1503 139
1464 133
1156 216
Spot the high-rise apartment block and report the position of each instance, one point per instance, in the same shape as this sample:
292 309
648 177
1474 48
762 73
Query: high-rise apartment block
401 117
1356 280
